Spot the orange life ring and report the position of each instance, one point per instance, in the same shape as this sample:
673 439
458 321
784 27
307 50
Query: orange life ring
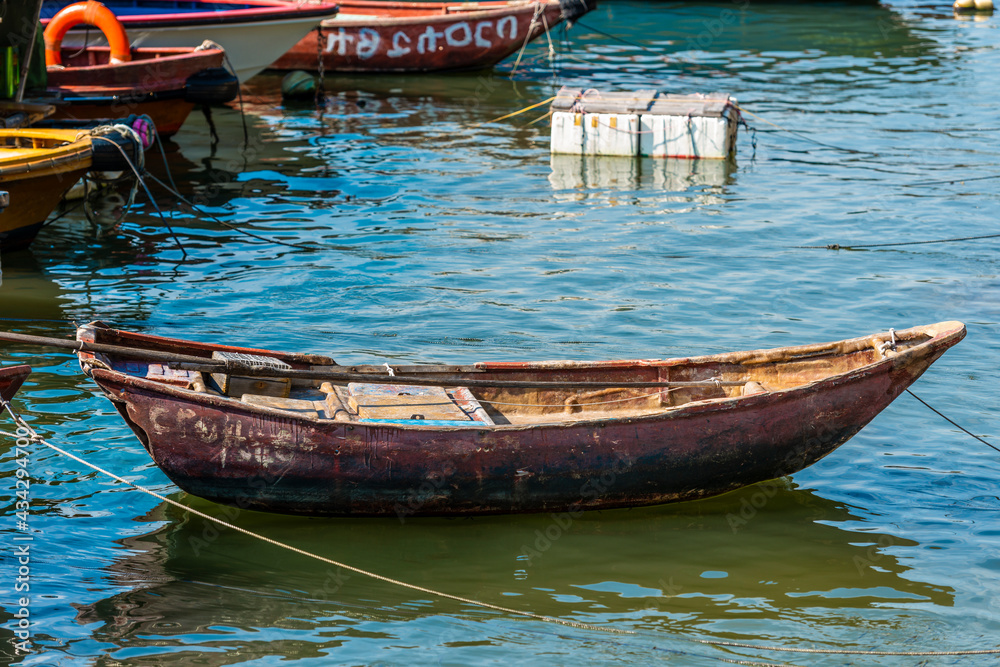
89 13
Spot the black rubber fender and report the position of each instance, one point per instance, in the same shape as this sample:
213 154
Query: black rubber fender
215 85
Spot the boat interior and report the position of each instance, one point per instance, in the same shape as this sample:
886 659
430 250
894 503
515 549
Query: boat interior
533 393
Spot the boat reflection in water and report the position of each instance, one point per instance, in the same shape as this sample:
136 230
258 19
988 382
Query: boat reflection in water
681 569
579 173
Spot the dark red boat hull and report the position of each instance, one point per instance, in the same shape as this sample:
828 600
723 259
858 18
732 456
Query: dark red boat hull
270 460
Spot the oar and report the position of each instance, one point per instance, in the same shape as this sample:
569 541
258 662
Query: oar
121 350
235 367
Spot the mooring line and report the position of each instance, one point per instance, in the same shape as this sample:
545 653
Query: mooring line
516 113
837 651
837 246
142 181
149 194
950 421
33 436
950 181
195 207
617 38
802 136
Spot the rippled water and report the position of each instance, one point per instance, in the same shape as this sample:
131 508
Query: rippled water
447 237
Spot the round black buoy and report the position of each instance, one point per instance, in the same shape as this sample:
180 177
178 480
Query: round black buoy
298 85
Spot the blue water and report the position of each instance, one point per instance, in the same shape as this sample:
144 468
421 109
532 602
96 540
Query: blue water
446 237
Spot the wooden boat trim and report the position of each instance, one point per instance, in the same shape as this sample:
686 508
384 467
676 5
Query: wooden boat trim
942 334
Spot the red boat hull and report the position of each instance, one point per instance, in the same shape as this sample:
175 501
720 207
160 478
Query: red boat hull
375 36
155 83
271 460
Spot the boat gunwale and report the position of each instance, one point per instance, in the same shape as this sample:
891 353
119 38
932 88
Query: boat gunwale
944 334
375 21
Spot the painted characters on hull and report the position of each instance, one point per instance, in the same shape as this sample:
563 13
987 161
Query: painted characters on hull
367 42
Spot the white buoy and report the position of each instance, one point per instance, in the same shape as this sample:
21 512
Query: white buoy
984 5
964 5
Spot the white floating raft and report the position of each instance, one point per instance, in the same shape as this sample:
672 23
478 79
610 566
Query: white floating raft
644 123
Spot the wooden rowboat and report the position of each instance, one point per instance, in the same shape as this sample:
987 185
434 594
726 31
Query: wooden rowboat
299 434
253 32
379 36
11 379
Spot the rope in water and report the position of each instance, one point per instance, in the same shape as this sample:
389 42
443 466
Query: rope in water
837 246
516 113
33 436
149 194
804 137
835 651
180 197
950 181
950 421
229 225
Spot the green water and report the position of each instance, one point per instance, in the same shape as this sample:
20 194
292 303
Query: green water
448 238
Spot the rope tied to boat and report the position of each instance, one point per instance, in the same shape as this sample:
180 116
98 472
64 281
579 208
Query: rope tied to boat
886 346
539 9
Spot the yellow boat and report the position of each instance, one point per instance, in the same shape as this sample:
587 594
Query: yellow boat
37 167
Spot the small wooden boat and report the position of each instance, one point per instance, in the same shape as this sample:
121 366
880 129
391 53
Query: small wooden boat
299 434
11 379
98 82
37 167
379 36
253 32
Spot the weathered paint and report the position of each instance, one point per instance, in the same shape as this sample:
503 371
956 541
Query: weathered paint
376 36
270 460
